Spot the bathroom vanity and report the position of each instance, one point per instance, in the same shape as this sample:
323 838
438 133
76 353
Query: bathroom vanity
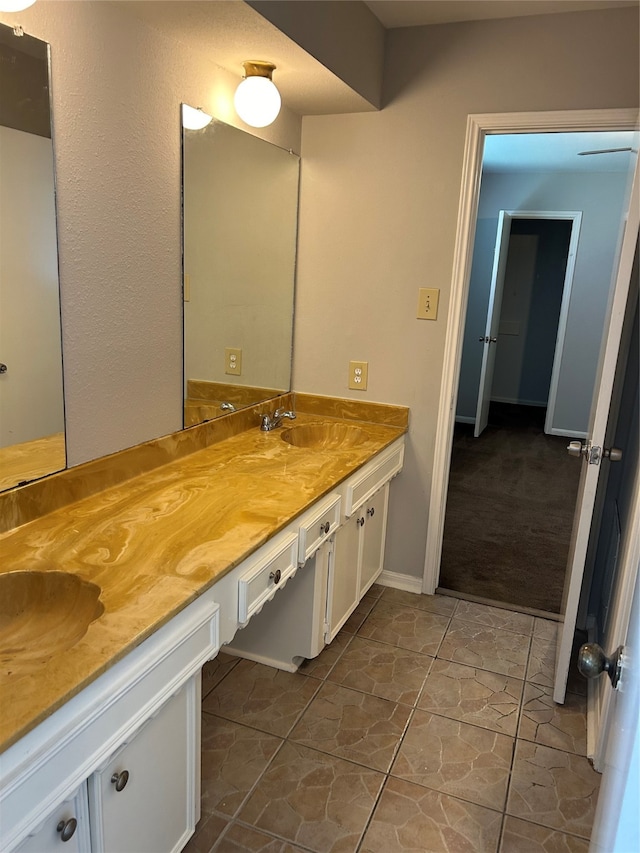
254 543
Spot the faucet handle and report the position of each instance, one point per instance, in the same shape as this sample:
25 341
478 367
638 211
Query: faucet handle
283 413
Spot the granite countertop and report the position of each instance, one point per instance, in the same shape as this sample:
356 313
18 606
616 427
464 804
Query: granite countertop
154 542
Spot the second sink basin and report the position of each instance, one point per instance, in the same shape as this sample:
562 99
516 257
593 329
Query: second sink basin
42 614
324 436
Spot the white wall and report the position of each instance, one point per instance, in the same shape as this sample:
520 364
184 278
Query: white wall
31 403
117 88
379 202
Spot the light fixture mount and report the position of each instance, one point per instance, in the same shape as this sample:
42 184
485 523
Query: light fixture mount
258 68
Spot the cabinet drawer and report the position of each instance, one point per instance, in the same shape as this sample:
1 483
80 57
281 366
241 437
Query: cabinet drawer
373 475
268 572
318 526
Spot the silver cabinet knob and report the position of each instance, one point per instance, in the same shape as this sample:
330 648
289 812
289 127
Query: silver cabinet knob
120 780
371 511
66 828
592 662
360 521
324 528
275 576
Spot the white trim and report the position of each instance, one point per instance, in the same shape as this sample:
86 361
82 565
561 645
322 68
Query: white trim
409 583
567 433
478 126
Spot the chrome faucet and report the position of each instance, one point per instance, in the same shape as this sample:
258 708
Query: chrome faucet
269 422
227 407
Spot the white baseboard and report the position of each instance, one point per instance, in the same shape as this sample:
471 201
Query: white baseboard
567 433
410 583
287 666
540 404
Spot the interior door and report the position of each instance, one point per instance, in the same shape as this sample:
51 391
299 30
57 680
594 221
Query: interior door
490 337
615 828
591 464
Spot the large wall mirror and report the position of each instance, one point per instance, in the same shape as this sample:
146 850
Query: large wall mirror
31 394
240 213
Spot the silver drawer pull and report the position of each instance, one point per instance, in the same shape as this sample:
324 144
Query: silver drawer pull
324 528
275 576
360 521
371 511
66 828
120 780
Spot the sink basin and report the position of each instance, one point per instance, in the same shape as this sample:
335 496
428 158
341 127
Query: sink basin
327 436
42 614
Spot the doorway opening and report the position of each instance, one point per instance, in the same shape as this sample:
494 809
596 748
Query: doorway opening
512 546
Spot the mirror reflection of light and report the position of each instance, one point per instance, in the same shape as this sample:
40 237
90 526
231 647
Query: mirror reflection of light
15 5
193 118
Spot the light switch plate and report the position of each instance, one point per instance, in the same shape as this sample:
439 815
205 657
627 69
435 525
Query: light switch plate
428 303
233 361
358 375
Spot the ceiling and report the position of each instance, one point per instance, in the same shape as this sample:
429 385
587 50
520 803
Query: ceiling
555 152
230 31
413 13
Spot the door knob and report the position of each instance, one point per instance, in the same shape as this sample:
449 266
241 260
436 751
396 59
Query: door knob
592 662
576 448
613 454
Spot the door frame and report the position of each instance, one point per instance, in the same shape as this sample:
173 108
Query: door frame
479 126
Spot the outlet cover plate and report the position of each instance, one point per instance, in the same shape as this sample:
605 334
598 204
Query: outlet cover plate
358 375
233 361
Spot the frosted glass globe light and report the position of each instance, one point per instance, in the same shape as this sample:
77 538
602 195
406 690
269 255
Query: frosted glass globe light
15 5
257 101
193 118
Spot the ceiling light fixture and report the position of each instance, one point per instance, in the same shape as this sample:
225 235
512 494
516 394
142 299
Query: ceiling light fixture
257 100
194 118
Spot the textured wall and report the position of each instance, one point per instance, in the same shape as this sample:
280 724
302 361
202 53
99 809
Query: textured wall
117 89
379 202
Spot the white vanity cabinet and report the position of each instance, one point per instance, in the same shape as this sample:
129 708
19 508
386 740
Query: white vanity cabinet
142 715
68 823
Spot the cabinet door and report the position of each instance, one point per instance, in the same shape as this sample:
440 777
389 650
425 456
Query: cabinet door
373 533
343 596
142 799
65 830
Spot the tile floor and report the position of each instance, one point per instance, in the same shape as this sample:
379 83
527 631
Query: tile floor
427 725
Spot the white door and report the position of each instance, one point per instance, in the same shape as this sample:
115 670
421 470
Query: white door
490 336
616 828
595 440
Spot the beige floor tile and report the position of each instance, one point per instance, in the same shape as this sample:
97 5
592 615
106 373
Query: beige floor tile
476 696
405 627
542 661
376 590
455 758
360 614
484 647
215 670
444 605
208 830
553 788
245 839
321 666
412 819
495 617
560 726
353 725
519 836
233 758
314 800
382 670
545 628
268 699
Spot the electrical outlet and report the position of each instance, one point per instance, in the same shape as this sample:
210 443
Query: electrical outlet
358 375
428 303
186 288
233 361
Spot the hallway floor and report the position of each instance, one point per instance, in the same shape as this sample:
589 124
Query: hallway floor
427 725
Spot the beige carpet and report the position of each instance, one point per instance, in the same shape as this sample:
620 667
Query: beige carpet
510 508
